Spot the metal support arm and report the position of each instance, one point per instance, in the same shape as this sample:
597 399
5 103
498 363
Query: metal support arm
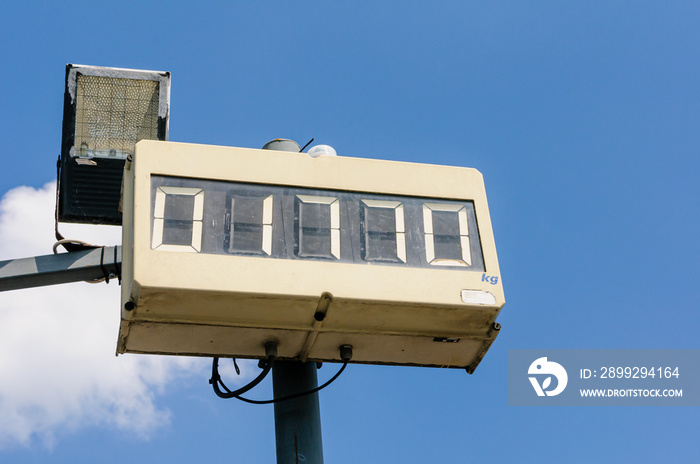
40 271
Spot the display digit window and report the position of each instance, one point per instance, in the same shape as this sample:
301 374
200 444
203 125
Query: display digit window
249 224
383 231
177 219
447 235
317 231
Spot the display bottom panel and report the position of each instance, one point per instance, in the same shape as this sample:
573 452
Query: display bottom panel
195 340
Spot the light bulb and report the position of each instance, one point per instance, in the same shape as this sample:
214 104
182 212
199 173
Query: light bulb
318 150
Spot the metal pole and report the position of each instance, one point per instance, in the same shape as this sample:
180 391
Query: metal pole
297 420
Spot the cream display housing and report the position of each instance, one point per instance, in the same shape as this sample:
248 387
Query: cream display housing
227 248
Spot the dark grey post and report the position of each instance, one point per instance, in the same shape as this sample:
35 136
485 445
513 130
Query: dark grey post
298 420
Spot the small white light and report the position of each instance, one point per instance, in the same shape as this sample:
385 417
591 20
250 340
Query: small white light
318 150
478 297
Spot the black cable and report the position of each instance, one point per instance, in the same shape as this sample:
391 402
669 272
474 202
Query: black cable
271 351
215 381
307 144
296 395
218 385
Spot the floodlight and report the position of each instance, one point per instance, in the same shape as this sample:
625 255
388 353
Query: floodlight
106 111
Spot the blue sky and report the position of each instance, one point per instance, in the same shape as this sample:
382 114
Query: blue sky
583 118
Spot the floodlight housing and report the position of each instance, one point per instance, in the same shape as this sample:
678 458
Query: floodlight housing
106 111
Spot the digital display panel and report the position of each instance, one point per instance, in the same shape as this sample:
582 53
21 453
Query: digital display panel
268 221
225 249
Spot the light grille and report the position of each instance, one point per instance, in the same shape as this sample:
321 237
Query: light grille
113 114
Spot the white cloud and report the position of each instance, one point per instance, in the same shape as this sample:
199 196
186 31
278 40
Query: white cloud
58 370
